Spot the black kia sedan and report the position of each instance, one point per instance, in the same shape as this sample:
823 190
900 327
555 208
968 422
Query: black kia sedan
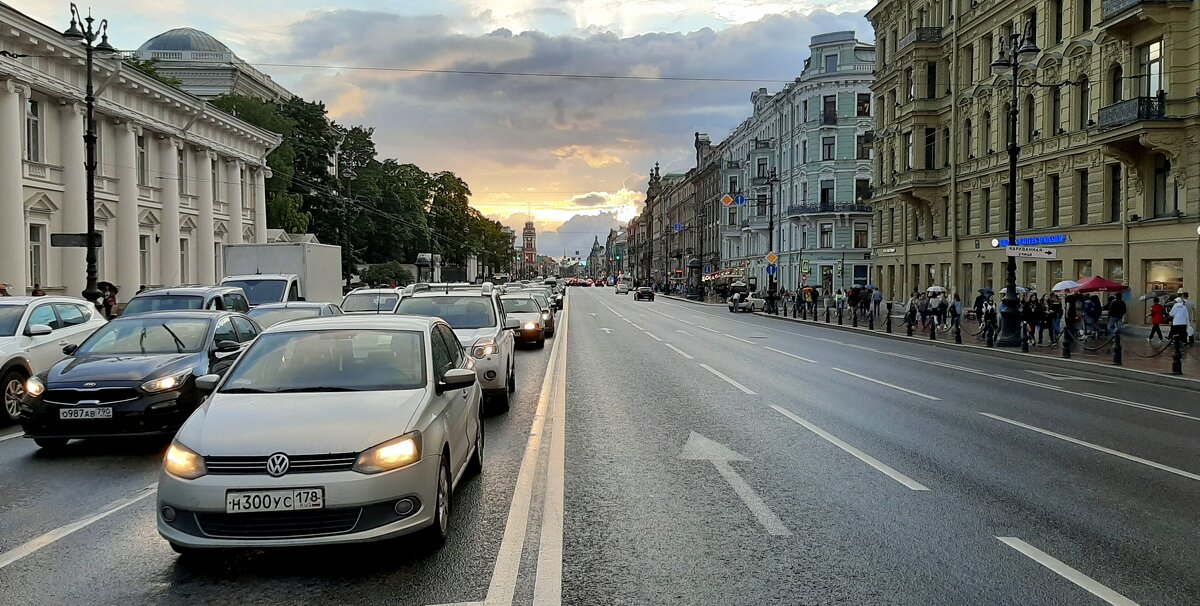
135 376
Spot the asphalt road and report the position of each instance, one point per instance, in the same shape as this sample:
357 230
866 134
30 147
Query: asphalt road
680 454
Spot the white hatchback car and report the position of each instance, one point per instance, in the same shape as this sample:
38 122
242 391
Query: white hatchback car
33 333
326 430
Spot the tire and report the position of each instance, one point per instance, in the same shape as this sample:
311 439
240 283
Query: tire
50 443
499 402
512 377
12 387
439 531
475 464
541 344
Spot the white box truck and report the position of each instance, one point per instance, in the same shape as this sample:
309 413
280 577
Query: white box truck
284 271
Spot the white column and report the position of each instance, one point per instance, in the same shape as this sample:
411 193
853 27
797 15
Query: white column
233 196
168 178
74 207
12 194
202 174
260 203
126 237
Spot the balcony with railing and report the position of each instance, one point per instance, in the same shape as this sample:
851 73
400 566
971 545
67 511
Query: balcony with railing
764 144
799 210
829 117
1132 110
38 171
1111 9
920 35
757 222
731 231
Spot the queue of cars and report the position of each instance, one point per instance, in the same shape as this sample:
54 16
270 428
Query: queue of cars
194 364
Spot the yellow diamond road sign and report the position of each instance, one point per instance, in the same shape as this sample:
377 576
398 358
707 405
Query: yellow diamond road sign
772 257
727 199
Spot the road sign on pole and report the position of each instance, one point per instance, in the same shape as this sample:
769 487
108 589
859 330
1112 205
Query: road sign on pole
678 227
772 269
772 258
740 200
727 200
1032 252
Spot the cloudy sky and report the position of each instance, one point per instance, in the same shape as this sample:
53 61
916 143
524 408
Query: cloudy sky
571 152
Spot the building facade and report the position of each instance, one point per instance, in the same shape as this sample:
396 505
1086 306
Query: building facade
529 256
176 178
814 137
205 67
1109 165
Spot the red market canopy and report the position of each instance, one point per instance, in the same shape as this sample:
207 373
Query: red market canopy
1100 284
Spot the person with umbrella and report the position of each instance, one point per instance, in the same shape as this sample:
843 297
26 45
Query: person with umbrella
876 300
1056 316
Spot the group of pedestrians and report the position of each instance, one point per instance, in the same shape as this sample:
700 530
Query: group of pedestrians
36 292
934 308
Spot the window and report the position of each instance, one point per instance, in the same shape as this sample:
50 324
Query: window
762 167
831 63
804 108
968 64
862 237
225 331
760 204
37 254
930 148
144 258
968 274
184 268
1028 203
1081 195
1030 119
1115 81
910 86
985 51
1085 15
44 315
862 190
967 140
945 147
181 170
1114 269
1083 268
1031 19
143 169
1055 201
733 185
732 217
804 152
863 106
33 131
215 180
1151 68
829 112
1114 192
71 315
827 235
966 222
804 192
986 219
1054 116
1056 13
908 150
862 151
987 132
245 329
827 191
1162 199
931 80
452 346
1085 101
827 147
1054 271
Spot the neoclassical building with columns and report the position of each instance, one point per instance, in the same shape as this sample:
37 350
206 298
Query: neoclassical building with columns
176 178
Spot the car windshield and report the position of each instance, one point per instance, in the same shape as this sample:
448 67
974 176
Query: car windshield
378 302
261 291
10 317
140 305
274 315
521 305
147 335
330 360
464 312
542 299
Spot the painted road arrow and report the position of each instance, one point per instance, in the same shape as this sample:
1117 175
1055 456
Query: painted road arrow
607 331
684 332
700 448
592 315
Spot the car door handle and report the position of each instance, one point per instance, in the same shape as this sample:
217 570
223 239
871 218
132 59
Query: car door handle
64 342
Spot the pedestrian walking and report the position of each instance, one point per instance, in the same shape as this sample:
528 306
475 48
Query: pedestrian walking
1056 318
1029 315
37 291
1180 321
923 310
877 300
110 301
1191 310
1116 314
1156 319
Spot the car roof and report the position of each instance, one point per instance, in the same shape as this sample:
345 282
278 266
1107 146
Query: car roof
462 292
351 322
292 305
258 277
374 291
27 300
187 290
181 314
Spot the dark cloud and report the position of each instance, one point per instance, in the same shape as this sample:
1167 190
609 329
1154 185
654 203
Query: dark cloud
589 200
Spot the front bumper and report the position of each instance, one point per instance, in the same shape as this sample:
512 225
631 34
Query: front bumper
148 415
493 364
531 335
358 508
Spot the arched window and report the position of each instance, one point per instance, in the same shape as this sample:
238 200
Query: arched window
1054 114
967 132
1116 84
1005 135
987 132
1084 108
1030 121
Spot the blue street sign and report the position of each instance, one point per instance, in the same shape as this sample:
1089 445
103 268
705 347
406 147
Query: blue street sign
739 200
708 269
678 227
772 270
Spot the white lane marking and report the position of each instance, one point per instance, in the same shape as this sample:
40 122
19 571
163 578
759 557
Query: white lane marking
684 332
827 340
612 310
1068 573
706 328
745 389
1115 453
592 315
680 351
878 382
637 327
700 448
790 355
49 538
908 482
861 347
627 320
1054 376
547 587
607 331
739 339
653 336
12 435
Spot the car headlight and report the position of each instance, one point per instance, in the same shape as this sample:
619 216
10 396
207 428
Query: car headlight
182 462
34 386
393 454
545 315
166 383
530 326
483 348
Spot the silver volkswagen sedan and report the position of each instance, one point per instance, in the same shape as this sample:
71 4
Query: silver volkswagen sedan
326 430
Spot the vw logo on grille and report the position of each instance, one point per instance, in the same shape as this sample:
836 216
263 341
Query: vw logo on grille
277 464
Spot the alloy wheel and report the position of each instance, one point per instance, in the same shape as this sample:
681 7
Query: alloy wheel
13 390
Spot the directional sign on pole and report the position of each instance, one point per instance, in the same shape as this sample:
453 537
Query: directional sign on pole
678 227
772 258
1032 252
772 269
727 200
740 200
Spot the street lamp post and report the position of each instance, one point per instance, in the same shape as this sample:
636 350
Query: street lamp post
87 37
772 181
1022 50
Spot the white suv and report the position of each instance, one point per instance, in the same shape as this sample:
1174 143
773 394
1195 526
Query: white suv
33 332
478 320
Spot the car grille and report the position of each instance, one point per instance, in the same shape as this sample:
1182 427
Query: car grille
297 464
278 524
102 395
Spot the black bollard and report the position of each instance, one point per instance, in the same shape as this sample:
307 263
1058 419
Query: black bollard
933 331
1066 339
839 316
871 322
1024 339
1177 358
854 319
957 333
826 315
991 337
1117 349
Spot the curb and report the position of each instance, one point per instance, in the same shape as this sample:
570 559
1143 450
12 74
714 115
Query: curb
674 298
1132 373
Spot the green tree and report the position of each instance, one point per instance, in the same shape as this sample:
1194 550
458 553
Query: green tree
387 273
150 68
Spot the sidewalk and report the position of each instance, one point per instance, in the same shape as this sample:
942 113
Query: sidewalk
710 301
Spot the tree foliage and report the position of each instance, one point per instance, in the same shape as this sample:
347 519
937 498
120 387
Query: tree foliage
150 68
387 273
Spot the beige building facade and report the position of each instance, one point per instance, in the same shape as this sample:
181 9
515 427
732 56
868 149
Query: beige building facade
1108 130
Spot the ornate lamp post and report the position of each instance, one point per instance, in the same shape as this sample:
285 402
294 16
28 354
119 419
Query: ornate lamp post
87 37
772 182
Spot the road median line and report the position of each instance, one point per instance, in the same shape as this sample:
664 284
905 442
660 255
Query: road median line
1082 580
886 384
744 389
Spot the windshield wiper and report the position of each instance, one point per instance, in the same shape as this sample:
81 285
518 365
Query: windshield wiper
178 341
314 389
244 390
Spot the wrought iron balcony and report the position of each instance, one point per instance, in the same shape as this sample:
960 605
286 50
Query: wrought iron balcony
920 35
829 117
797 210
1112 8
759 222
763 144
1132 110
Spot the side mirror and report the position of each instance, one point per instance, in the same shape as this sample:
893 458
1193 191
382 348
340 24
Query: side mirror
205 384
512 324
228 347
69 349
38 330
456 378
